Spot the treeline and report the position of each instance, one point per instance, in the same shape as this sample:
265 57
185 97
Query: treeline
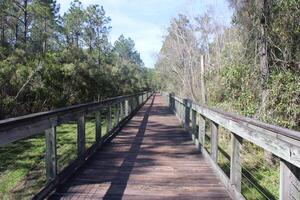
49 61
251 67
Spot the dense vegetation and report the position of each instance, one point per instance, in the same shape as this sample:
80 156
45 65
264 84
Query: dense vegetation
49 61
251 66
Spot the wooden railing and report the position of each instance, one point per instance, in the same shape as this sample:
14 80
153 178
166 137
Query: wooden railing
15 129
283 143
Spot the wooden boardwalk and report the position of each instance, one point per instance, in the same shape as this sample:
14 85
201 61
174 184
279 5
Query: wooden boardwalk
151 158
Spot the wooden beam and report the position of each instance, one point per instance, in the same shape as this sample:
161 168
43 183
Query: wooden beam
194 116
80 135
98 125
289 181
235 163
214 141
51 153
126 108
187 110
108 119
201 132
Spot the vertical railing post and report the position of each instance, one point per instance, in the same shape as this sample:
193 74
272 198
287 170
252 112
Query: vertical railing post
187 109
235 162
289 181
214 141
201 132
121 110
80 135
109 119
51 153
117 113
98 125
194 116
126 107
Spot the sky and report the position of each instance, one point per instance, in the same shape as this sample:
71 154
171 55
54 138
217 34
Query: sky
146 21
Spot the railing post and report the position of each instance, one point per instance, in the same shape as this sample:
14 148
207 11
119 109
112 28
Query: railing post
289 181
80 135
235 162
98 125
108 118
121 110
126 107
117 113
194 116
214 141
187 105
201 132
51 153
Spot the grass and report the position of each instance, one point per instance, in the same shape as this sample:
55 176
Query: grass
259 180
22 166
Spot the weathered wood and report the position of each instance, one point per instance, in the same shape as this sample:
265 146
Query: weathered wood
138 173
284 147
187 110
117 113
289 181
201 131
80 135
51 153
98 125
108 119
235 162
214 141
126 107
194 116
121 110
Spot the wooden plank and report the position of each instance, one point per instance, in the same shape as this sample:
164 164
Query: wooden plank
126 107
214 141
283 147
98 125
289 181
201 131
187 110
235 162
51 153
80 135
108 119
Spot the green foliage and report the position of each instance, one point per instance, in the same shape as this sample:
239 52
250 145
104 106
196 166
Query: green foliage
55 61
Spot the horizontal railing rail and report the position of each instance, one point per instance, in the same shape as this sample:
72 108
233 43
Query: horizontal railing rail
45 123
282 142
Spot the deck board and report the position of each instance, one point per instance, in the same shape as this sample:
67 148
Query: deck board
151 158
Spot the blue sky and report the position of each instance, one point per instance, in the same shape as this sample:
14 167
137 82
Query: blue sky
145 21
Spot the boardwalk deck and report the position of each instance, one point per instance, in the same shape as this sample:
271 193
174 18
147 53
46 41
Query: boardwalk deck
151 158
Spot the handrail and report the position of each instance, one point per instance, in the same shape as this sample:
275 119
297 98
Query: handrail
282 142
14 129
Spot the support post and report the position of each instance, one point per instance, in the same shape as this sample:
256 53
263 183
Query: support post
121 110
108 118
214 141
51 153
117 113
289 181
235 163
126 107
201 132
98 125
194 131
80 135
187 109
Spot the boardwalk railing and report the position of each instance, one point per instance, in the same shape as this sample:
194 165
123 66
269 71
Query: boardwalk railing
283 143
15 129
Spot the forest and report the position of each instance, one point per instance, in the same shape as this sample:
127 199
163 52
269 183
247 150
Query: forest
49 61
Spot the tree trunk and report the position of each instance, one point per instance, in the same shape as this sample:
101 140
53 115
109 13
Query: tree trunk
203 90
264 67
25 21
